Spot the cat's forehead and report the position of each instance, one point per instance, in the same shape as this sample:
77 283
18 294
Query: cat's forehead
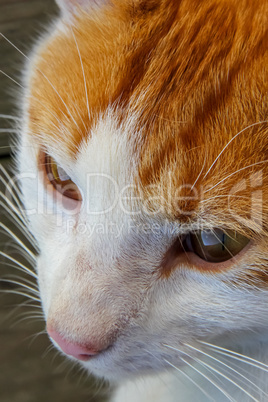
194 84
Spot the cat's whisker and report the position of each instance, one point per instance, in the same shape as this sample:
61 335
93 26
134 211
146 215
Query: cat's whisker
208 366
198 371
79 114
22 285
17 248
33 337
30 273
13 236
9 117
18 223
231 140
18 264
198 177
188 377
18 209
15 186
25 280
15 209
243 370
8 76
237 171
227 366
237 356
46 78
228 396
225 196
226 377
17 292
9 130
83 71
49 349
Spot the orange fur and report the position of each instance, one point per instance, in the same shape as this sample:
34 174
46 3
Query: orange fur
195 74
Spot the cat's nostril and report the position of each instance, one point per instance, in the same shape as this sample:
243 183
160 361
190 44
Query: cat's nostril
73 349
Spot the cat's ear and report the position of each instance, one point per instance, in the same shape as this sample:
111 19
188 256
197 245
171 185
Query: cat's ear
69 7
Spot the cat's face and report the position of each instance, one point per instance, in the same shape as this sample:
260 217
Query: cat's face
144 174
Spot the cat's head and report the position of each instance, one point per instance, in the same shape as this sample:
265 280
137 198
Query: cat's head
144 171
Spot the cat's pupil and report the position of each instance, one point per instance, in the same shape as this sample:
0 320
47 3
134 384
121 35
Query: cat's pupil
217 245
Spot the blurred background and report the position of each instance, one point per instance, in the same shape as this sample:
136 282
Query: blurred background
30 369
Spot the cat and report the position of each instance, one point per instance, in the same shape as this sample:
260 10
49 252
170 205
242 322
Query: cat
142 161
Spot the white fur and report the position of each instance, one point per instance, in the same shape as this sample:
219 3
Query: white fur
99 279
93 279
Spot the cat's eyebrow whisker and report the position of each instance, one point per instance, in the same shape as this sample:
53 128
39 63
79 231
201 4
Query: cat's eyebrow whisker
13 236
201 171
231 140
236 356
83 72
46 78
237 171
224 196
226 365
188 377
79 114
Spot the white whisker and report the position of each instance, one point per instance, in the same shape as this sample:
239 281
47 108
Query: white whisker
201 373
13 236
237 171
46 78
18 264
237 356
21 284
201 171
8 116
227 366
16 292
226 377
8 76
189 378
9 130
209 380
83 72
18 223
231 140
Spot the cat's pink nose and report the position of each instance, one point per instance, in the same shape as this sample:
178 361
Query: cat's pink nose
71 348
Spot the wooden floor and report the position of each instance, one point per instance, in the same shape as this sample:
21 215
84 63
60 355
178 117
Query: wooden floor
30 371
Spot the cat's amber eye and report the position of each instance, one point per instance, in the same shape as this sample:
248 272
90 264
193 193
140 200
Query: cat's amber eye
216 245
60 180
